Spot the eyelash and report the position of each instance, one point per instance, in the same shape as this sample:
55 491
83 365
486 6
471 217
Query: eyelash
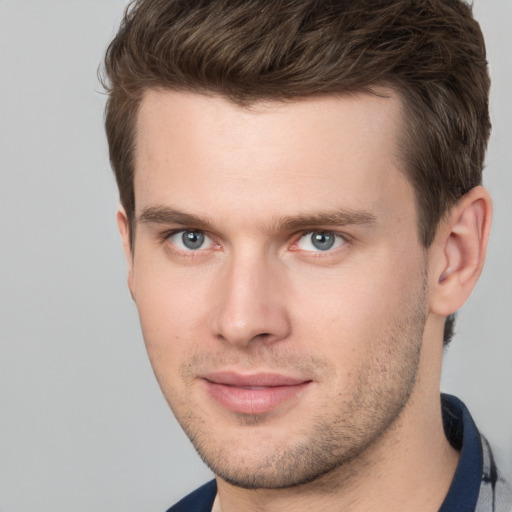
166 235
330 251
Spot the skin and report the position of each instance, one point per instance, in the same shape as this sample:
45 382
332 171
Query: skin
357 328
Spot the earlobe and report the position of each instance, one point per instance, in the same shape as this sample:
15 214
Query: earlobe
458 252
124 230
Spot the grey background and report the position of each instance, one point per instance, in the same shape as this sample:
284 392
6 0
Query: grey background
82 423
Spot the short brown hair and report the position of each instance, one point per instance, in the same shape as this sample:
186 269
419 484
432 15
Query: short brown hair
431 52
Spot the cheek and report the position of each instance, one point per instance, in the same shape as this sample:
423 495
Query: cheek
347 310
172 311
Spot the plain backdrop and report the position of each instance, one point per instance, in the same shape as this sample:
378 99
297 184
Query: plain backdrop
83 426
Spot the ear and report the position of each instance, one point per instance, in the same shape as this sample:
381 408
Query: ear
458 251
123 225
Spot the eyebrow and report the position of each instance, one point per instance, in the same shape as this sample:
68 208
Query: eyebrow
340 217
168 215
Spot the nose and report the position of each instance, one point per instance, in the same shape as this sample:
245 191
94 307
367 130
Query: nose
250 302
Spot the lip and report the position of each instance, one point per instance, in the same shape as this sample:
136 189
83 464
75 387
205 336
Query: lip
255 393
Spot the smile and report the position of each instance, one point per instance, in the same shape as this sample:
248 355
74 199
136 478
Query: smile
253 394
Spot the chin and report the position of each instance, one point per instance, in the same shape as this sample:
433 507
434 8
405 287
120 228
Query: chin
278 463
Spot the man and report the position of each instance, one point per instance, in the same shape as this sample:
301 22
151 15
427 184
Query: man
302 215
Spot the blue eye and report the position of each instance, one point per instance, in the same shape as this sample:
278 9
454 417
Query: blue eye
320 241
190 240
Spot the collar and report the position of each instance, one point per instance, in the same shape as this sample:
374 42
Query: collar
461 432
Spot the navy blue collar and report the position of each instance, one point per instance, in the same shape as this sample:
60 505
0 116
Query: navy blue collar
201 500
461 431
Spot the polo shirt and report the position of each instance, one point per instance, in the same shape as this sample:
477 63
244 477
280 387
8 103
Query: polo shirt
477 485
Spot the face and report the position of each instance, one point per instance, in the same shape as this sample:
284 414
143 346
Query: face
279 278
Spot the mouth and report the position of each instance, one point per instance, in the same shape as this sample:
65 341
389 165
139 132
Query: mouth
253 394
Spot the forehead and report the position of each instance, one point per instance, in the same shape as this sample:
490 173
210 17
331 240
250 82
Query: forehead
209 154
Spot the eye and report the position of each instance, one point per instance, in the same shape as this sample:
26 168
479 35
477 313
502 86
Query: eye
320 241
190 240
